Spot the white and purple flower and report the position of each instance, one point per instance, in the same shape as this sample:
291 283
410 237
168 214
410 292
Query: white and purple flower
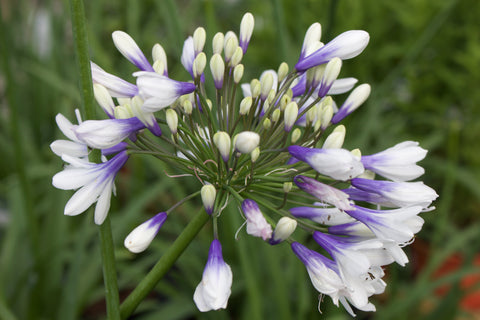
213 291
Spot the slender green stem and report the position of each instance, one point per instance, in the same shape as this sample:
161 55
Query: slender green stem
163 265
105 231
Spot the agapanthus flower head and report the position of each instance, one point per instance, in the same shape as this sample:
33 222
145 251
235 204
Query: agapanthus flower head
280 148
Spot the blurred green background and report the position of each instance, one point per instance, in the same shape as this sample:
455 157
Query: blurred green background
423 63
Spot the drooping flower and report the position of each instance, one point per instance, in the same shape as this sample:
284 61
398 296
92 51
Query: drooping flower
213 291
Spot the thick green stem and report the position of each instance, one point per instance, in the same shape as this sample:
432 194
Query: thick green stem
105 231
163 265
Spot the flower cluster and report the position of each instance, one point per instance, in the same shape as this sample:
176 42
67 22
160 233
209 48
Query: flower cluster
278 152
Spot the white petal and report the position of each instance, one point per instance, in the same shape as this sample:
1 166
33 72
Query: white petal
103 203
74 149
82 199
73 178
342 85
66 127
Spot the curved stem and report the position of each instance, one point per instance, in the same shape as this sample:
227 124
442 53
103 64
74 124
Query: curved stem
163 265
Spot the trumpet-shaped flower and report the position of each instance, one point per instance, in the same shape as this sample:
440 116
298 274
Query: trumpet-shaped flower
94 181
398 162
339 164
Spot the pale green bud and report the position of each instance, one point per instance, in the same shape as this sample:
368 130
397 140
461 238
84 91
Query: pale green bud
290 116
159 67
271 96
357 154
246 141
208 194
123 112
231 44
187 106
266 106
222 141
335 139
158 54
266 82
199 64
317 125
282 71
367 174
245 105
311 113
172 120
209 104
217 67
199 36
284 101
104 99
255 154
236 57
318 73
267 123
217 43
276 115
326 117
238 73
284 229
287 187
246 29
255 87
296 134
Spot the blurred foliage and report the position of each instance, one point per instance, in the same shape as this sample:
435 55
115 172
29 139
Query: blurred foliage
423 63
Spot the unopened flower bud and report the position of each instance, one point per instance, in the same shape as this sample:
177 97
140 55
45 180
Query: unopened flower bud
332 70
123 112
266 106
335 139
318 73
267 124
296 134
284 229
245 105
217 43
187 106
357 154
276 115
326 116
236 57
238 73
222 141
209 104
290 116
231 44
158 53
271 96
172 120
287 187
246 29
255 87
282 71
104 99
246 141
284 101
159 67
208 194
255 154
199 36
266 82
140 238
217 66
199 64
310 115
317 125
354 100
